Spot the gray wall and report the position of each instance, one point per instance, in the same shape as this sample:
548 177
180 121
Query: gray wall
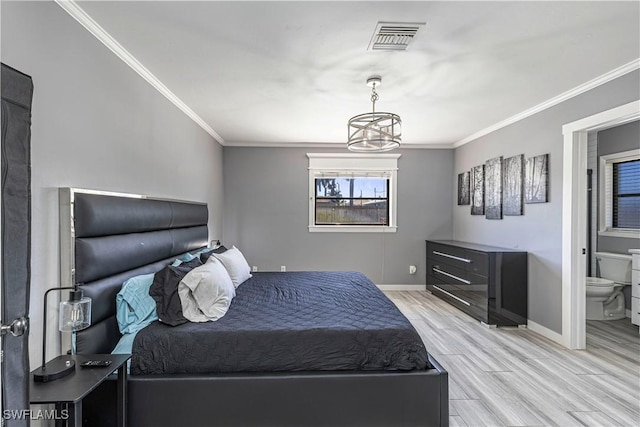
611 141
539 230
96 124
266 208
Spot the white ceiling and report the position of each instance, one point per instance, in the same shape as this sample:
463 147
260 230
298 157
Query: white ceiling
294 72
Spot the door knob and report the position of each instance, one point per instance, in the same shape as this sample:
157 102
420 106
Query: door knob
17 328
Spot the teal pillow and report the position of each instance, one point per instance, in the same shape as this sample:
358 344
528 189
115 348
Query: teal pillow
135 308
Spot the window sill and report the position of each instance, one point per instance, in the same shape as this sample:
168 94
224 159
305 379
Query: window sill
625 233
351 229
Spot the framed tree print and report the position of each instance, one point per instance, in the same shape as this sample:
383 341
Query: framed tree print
477 190
464 197
512 185
536 179
493 188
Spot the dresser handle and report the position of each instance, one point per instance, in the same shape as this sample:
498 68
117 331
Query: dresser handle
451 275
451 295
452 257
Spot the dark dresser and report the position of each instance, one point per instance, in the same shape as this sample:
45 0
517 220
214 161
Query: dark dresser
487 282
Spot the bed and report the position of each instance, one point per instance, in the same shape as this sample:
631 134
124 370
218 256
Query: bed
311 370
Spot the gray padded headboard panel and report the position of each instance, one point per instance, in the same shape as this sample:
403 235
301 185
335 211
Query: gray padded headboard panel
100 215
102 256
108 238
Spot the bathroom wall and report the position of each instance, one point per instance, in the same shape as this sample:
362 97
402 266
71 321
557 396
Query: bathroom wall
611 141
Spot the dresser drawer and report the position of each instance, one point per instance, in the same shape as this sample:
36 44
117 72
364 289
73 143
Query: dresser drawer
635 311
446 249
635 261
635 283
448 255
447 273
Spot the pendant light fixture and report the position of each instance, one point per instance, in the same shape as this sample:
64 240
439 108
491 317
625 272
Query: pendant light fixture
374 131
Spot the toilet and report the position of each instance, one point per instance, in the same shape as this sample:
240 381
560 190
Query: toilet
605 300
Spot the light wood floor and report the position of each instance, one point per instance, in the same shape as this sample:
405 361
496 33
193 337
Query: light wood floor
515 377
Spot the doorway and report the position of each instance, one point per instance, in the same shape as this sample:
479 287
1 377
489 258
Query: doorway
574 216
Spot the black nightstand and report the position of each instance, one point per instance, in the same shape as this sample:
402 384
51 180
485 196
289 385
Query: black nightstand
68 392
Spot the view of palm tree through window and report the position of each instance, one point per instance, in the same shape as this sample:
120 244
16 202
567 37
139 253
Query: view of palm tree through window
352 201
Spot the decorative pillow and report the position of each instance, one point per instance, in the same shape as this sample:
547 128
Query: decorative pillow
206 292
206 254
236 265
135 308
164 290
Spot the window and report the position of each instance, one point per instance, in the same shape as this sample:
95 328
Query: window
626 194
352 192
352 200
620 194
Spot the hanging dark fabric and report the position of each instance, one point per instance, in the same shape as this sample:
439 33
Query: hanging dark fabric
17 94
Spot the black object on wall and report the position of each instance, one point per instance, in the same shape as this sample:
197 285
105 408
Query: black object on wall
17 94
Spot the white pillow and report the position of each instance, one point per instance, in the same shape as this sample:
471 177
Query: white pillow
236 265
206 292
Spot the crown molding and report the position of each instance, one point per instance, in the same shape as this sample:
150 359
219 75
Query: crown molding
332 145
591 84
77 13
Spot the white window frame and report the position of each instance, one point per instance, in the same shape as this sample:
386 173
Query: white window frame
325 163
605 177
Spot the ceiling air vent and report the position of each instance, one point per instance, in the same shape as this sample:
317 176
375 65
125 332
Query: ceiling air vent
394 35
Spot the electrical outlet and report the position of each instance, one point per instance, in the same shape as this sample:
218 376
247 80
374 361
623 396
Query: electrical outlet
412 269
283 268
254 268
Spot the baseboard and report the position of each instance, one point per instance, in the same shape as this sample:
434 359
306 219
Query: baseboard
408 287
628 313
545 332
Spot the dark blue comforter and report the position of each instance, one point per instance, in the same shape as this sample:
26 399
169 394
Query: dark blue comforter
294 321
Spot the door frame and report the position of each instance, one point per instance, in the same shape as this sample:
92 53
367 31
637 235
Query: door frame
574 212
1 317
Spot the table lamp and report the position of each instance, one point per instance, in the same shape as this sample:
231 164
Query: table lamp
75 315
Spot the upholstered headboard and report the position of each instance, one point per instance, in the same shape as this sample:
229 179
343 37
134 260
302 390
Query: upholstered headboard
106 238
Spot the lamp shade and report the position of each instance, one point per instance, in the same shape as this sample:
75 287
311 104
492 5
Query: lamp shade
75 315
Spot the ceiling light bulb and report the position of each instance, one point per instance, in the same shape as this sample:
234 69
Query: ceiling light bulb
370 133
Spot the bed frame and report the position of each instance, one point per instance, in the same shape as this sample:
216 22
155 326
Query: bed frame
107 237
